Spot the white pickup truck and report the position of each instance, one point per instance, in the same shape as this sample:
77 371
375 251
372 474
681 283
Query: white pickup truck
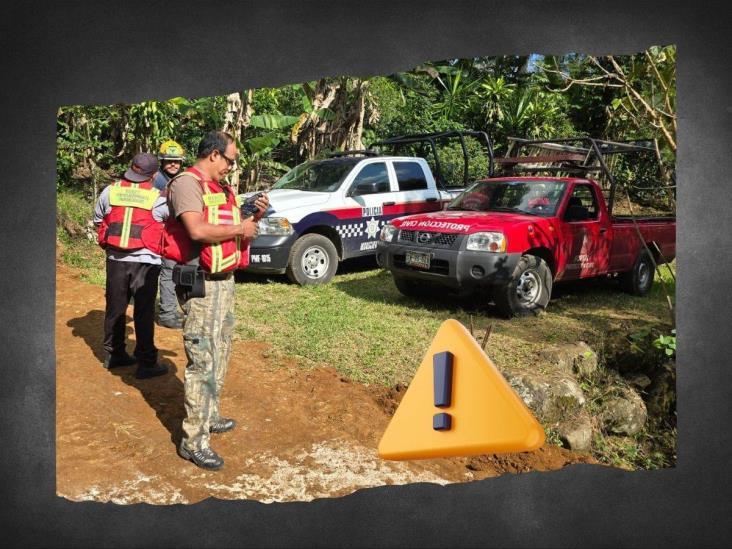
324 211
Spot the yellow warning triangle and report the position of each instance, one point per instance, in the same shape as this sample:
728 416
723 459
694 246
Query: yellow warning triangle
482 414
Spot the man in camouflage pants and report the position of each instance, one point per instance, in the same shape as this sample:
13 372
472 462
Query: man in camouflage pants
209 320
207 333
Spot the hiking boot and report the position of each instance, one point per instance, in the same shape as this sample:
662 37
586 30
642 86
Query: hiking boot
205 458
221 425
175 323
116 361
145 371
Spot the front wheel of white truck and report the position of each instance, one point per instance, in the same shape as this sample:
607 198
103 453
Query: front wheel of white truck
313 260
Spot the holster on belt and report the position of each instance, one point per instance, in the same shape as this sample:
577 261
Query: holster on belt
189 281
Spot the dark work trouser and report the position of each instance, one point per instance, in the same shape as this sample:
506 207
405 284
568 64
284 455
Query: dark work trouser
126 280
168 299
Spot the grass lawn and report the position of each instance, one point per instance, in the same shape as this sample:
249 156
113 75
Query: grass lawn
361 325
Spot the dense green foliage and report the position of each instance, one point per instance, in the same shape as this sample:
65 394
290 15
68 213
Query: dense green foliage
524 96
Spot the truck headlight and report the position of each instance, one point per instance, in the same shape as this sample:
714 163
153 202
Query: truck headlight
274 226
487 242
387 232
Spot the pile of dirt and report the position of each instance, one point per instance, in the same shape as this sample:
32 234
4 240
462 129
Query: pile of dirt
302 434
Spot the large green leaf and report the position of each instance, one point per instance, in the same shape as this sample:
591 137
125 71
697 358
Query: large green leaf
180 101
273 121
260 145
276 165
408 81
307 91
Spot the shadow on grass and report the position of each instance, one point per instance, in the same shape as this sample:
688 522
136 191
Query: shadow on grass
591 302
379 287
349 266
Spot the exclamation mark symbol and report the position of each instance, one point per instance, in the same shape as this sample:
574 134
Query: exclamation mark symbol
442 368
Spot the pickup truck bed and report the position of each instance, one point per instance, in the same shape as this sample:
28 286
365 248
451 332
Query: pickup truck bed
513 251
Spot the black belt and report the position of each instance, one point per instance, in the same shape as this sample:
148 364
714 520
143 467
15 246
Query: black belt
217 276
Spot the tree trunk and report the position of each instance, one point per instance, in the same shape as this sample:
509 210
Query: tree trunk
308 132
246 119
237 119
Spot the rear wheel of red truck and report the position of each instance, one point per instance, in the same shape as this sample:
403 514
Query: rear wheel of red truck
639 280
529 290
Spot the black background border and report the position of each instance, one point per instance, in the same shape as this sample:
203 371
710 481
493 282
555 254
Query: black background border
73 52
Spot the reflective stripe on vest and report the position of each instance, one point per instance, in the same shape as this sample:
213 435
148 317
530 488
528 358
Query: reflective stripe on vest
129 198
219 262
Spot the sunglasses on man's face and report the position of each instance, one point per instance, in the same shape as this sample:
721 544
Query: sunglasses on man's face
230 161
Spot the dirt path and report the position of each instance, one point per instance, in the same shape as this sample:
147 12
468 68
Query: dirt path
301 434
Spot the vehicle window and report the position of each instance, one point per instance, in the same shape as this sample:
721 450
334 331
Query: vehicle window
410 176
317 175
584 196
374 175
532 197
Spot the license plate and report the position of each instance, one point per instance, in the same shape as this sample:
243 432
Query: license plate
418 259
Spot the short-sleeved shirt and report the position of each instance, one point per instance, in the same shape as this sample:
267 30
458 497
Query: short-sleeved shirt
185 195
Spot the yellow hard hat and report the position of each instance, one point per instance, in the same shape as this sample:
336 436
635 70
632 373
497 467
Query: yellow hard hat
171 150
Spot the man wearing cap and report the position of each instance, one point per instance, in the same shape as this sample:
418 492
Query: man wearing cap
205 228
171 156
129 215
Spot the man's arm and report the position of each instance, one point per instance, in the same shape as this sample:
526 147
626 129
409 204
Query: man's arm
102 207
201 231
185 199
160 211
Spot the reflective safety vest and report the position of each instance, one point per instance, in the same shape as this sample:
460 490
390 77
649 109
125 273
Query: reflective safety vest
130 224
219 208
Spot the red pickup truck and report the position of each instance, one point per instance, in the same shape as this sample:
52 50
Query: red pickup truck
513 237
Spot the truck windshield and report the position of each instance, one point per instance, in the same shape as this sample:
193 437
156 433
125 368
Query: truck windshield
533 197
317 175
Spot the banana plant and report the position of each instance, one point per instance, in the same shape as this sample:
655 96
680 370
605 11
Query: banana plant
259 147
147 124
309 110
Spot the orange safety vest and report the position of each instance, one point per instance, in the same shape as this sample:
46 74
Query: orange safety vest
130 224
219 208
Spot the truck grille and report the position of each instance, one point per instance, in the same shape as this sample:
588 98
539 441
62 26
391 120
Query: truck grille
424 238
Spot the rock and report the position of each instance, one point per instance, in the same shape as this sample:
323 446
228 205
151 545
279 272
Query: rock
662 393
71 227
549 399
578 358
639 380
91 231
576 434
625 414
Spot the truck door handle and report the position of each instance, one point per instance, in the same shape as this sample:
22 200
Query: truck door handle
603 230
432 199
389 203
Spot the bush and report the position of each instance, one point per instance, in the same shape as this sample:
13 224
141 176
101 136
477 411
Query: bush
73 214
